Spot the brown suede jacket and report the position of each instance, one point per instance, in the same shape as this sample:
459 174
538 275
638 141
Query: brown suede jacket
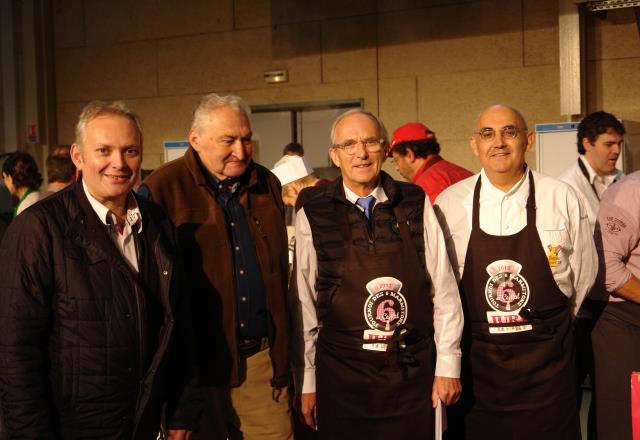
181 187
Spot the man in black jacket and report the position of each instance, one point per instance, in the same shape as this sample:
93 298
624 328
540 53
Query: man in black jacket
88 303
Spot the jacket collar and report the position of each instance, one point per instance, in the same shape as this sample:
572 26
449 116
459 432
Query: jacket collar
386 181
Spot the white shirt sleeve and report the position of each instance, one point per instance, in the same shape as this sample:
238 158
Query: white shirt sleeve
306 273
584 259
447 309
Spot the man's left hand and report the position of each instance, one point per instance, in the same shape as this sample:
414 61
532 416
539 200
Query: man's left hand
179 434
445 389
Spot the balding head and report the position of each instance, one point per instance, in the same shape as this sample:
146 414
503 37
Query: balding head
500 141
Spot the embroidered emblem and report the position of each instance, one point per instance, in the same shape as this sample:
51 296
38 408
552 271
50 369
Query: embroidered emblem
553 255
506 292
614 225
384 309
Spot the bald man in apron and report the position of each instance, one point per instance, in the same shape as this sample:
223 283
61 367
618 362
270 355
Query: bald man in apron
522 245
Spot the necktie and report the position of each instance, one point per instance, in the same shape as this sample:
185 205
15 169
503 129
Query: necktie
366 203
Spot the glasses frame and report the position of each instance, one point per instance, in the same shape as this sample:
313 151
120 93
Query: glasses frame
502 131
350 150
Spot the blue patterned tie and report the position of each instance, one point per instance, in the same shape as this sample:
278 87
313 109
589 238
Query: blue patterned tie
366 203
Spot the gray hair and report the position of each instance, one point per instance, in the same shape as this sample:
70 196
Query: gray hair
212 101
358 111
100 108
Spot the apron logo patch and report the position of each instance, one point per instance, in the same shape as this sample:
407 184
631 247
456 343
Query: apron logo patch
384 310
553 255
506 293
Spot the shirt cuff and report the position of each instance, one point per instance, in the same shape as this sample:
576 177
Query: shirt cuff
448 366
309 381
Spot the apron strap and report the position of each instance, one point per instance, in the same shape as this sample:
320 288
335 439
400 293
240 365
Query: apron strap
585 173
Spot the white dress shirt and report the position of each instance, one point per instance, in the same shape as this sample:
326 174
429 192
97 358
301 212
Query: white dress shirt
561 220
447 309
123 239
574 177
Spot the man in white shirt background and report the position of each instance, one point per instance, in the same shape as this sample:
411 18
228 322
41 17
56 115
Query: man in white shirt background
600 142
521 246
378 299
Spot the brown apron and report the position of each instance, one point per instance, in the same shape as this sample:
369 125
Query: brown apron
518 354
361 392
616 352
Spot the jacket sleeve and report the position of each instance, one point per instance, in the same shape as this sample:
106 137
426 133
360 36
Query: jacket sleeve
26 287
185 400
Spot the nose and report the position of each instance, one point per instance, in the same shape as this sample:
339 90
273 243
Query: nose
361 150
117 160
239 150
616 148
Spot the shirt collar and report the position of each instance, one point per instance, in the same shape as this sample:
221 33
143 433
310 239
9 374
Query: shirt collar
523 182
605 180
377 192
133 217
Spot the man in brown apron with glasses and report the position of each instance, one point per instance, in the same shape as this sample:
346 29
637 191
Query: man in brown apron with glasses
522 246
380 311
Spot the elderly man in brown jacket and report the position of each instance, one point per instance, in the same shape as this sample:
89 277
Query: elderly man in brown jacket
229 216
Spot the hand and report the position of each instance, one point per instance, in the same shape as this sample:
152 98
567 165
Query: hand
179 434
308 409
445 389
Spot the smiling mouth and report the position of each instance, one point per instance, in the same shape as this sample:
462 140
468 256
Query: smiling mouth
118 178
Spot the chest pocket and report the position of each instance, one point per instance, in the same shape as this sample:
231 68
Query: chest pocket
558 248
86 279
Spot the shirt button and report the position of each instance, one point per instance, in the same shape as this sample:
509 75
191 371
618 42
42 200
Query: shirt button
241 272
165 272
242 324
233 224
237 248
244 298
219 186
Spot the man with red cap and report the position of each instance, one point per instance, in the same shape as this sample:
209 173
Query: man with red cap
415 151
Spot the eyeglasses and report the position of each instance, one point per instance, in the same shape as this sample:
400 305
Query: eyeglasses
508 132
372 145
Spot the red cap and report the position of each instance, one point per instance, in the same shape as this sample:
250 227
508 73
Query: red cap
411 131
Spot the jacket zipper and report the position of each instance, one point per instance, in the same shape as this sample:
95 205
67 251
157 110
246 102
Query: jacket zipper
141 343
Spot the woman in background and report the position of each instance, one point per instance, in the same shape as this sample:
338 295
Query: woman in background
22 179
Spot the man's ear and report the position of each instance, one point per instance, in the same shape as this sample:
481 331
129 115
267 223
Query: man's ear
76 156
586 144
410 155
333 154
194 139
474 146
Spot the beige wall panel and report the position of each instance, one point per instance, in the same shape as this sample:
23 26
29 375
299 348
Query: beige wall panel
125 20
67 115
540 32
614 86
238 60
451 38
395 5
163 119
450 104
616 37
426 3
68 23
297 11
321 93
349 49
252 13
106 72
398 102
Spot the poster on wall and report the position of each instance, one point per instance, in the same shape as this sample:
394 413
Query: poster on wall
174 149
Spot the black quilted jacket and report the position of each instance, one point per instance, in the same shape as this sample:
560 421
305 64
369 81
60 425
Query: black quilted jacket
72 328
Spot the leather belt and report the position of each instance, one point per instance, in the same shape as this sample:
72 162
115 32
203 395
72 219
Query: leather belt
249 347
